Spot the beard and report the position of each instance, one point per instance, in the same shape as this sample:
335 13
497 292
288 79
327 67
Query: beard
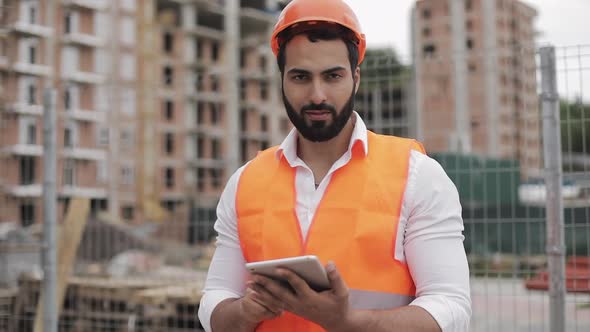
319 131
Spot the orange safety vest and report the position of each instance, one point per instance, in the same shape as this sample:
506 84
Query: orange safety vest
355 224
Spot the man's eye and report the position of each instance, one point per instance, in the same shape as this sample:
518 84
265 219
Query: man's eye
299 77
334 76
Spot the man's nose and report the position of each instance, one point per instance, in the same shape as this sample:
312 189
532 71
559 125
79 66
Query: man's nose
318 93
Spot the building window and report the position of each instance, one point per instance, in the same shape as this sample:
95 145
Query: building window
168 42
215 177
200 147
31 133
169 143
244 119
27 214
214 83
68 23
27 170
215 149
199 47
67 100
168 76
69 175
214 113
169 110
200 112
201 179
262 63
215 51
127 139
32 14
429 50
169 178
263 123
264 90
127 212
32 54
32 94
264 145
243 87
426 32
68 139
426 13
170 206
469 43
103 137
242 58
127 175
244 150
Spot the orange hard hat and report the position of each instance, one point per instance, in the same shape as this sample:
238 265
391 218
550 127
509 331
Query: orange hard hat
317 11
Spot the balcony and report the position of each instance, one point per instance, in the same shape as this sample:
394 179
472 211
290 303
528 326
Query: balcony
26 109
209 96
84 77
25 191
256 135
83 153
84 192
34 150
207 163
85 115
83 39
254 74
32 69
87 4
261 15
208 130
32 29
201 31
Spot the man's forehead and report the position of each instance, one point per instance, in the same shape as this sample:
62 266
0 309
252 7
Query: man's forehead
317 55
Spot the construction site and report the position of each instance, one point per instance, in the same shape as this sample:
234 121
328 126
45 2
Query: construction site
158 102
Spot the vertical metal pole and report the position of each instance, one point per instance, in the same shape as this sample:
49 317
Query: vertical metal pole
49 253
232 65
461 141
553 181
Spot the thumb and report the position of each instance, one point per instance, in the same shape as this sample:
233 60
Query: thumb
338 285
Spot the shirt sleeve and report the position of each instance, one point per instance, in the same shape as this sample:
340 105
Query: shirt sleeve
433 245
227 274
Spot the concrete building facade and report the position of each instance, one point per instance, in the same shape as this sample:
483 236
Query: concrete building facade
476 83
159 102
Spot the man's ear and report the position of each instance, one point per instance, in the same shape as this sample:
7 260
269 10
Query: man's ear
357 78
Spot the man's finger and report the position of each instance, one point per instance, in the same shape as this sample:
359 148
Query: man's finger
283 294
254 296
336 282
266 299
299 285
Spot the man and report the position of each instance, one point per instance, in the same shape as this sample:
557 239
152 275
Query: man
382 215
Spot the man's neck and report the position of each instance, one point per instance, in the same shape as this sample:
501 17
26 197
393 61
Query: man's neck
326 153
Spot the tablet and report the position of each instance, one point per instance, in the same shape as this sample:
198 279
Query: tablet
307 267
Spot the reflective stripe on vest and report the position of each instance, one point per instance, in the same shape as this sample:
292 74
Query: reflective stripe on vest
355 224
367 300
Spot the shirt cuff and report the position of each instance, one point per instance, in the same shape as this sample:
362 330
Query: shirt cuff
209 301
450 316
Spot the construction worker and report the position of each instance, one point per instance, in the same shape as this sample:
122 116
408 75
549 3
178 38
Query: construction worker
383 216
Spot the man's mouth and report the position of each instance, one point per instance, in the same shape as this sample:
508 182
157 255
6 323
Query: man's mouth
318 115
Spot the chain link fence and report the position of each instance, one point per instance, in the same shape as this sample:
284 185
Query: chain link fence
126 277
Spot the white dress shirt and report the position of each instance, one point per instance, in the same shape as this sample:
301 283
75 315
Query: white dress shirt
430 221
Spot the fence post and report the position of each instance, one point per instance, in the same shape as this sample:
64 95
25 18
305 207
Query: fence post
553 182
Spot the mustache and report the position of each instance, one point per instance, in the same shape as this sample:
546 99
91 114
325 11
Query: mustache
318 107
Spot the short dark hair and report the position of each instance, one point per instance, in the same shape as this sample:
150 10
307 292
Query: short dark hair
323 32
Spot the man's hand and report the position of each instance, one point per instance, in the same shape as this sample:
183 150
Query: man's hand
329 309
254 310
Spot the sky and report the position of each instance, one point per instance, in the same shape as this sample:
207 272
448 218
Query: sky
560 23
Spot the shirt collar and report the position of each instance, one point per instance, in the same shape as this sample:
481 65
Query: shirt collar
288 147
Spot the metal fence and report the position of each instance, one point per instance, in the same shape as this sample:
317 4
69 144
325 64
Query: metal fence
126 281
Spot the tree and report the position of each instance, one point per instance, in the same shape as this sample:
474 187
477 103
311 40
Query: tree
575 127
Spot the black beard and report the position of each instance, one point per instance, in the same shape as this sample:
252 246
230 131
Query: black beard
318 131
